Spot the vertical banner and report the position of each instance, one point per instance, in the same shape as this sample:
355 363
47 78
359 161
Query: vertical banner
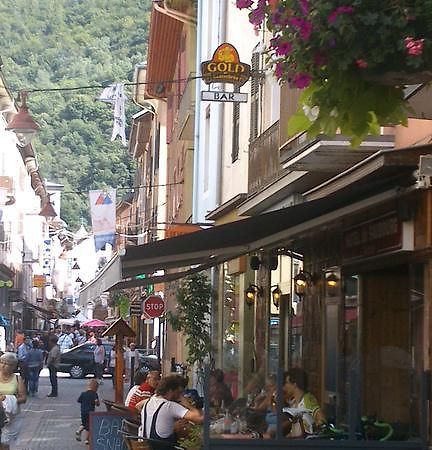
103 217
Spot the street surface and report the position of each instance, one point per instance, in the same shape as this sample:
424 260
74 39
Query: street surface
50 423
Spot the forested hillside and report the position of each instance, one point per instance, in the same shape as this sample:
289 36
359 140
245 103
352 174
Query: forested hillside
75 43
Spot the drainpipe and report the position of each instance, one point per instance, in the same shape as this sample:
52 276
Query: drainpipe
196 158
220 109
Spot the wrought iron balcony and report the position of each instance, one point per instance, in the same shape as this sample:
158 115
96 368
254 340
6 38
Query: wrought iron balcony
264 163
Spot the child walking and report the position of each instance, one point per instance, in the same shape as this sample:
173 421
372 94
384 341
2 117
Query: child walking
89 400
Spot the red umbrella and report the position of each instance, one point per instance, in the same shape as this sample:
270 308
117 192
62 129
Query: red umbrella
94 323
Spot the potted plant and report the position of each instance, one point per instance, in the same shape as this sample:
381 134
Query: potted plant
352 58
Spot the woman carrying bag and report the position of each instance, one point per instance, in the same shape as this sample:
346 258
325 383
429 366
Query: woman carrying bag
12 394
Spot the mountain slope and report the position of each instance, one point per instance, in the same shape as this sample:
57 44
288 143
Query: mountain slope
65 44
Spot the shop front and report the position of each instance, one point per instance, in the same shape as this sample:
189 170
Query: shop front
352 267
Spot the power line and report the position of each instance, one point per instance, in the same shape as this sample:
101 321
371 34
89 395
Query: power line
129 188
103 86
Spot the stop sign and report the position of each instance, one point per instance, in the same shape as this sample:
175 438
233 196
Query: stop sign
153 306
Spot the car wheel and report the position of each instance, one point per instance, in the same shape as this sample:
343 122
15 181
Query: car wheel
76 372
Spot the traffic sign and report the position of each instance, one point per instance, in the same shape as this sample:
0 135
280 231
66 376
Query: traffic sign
153 306
219 96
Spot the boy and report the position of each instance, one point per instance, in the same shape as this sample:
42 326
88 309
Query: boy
89 400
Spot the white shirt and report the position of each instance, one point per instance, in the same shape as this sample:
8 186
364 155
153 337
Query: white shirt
130 393
168 414
128 358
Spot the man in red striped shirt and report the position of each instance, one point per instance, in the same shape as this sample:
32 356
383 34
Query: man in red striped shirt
144 391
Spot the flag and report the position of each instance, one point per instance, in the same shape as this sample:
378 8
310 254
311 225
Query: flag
103 217
114 94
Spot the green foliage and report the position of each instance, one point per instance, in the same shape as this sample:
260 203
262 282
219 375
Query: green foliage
194 440
192 315
328 106
122 301
353 56
70 43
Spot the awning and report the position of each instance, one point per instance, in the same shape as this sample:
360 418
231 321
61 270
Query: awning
206 248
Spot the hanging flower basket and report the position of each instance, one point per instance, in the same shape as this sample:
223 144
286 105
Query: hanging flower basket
352 58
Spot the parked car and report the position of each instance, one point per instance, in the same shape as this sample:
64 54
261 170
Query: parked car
148 361
79 360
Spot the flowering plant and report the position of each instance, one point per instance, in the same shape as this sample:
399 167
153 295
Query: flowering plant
338 52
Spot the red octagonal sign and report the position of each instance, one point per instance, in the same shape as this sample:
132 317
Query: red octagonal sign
153 306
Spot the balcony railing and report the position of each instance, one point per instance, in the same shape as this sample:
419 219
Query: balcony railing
264 164
186 111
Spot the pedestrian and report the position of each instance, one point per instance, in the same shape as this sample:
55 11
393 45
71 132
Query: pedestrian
12 394
161 411
89 399
22 352
112 364
131 362
53 363
99 359
92 338
65 342
35 359
81 337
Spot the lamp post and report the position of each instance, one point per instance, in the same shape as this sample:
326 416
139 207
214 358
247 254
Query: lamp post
23 124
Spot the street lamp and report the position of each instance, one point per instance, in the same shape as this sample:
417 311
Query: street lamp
23 124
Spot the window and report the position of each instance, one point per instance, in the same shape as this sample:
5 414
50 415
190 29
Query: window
235 129
255 88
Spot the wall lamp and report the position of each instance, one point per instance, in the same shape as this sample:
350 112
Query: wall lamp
251 294
332 279
276 294
301 281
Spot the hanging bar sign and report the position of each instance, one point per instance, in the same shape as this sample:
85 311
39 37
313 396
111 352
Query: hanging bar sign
218 96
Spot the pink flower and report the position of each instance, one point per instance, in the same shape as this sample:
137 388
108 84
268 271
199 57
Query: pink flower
361 63
256 17
283 48
241 4
304 27
414 46
320 59
338 11
304 6
273 4
279 70
301 80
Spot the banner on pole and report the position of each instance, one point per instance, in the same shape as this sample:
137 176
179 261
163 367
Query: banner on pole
103 217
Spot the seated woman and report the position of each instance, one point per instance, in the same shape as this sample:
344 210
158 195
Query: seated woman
220 393
12 393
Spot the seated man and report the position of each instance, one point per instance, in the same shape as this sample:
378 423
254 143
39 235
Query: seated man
162 410
306 413
144 391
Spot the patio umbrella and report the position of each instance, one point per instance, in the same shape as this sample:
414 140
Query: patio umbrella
94 323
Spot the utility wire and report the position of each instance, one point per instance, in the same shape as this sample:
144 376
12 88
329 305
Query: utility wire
103 86
128 188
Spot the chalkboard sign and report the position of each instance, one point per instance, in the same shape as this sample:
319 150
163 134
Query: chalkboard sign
105 431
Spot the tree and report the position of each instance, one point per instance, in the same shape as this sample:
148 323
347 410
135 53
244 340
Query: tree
192 315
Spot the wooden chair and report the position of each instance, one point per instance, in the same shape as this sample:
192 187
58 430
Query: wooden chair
129 430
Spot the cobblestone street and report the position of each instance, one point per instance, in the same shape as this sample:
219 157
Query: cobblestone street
50 423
